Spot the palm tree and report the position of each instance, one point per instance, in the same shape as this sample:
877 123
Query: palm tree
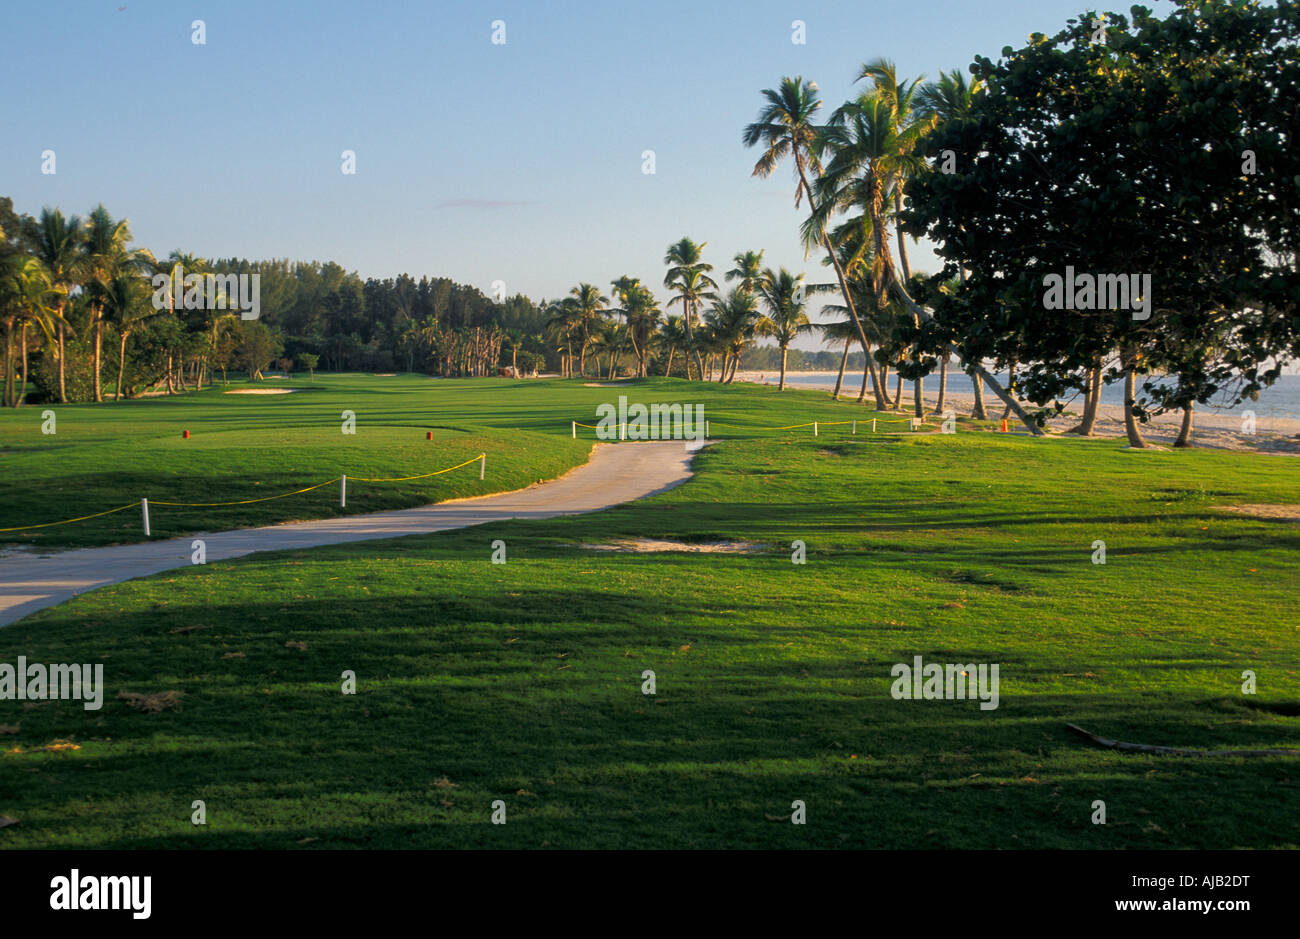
673 335
786 314
911 125
56 243
127 307
588 304
104 254
873 153
640 310
562 323
952 98
748 270
785 126
689 276
26 300
733 320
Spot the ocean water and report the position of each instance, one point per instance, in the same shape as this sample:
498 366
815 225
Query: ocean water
1281 400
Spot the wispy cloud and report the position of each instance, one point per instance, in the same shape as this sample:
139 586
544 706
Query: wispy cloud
480 203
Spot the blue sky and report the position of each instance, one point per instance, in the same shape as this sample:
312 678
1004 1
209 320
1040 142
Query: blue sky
518 162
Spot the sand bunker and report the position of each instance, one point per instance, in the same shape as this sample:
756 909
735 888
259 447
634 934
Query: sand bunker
261 391
652 546
1281 513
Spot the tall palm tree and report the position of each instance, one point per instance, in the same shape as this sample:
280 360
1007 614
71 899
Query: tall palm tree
640 311
901 97
873 152
588 304
689 276
733 320
748 270
952 98
104 254
56 243
785 127
786 315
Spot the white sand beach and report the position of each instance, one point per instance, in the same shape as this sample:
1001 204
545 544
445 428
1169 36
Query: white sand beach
1212 429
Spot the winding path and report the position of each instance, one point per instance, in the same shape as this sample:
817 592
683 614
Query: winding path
615 474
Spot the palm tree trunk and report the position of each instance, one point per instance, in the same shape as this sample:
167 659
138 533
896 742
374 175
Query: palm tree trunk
121 365
22 344
918 395
898 393
844 285
690 341
9 362
898 228
844 361
63 388
669 371
99 332
1011 386
784 352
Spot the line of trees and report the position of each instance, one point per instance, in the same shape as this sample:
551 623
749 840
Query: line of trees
1162 148
1150 147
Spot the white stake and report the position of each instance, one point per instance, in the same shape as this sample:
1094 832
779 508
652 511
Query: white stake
873 425
814 428
855 427
575 430
343 492
706 430
482 465
144 506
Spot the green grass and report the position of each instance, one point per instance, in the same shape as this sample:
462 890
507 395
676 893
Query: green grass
247 447
521 681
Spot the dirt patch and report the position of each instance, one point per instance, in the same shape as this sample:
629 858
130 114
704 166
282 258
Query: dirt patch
656 546
261 391
151 703
1280 513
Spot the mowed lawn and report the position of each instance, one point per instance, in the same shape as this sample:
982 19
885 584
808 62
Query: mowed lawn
522 682
245 447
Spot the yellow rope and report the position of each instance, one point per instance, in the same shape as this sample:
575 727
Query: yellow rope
399 479
129 505
283 495
249 501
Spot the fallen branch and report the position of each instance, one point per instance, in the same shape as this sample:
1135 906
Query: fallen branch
1173 751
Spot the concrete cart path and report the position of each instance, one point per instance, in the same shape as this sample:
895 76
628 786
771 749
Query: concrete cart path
615 474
